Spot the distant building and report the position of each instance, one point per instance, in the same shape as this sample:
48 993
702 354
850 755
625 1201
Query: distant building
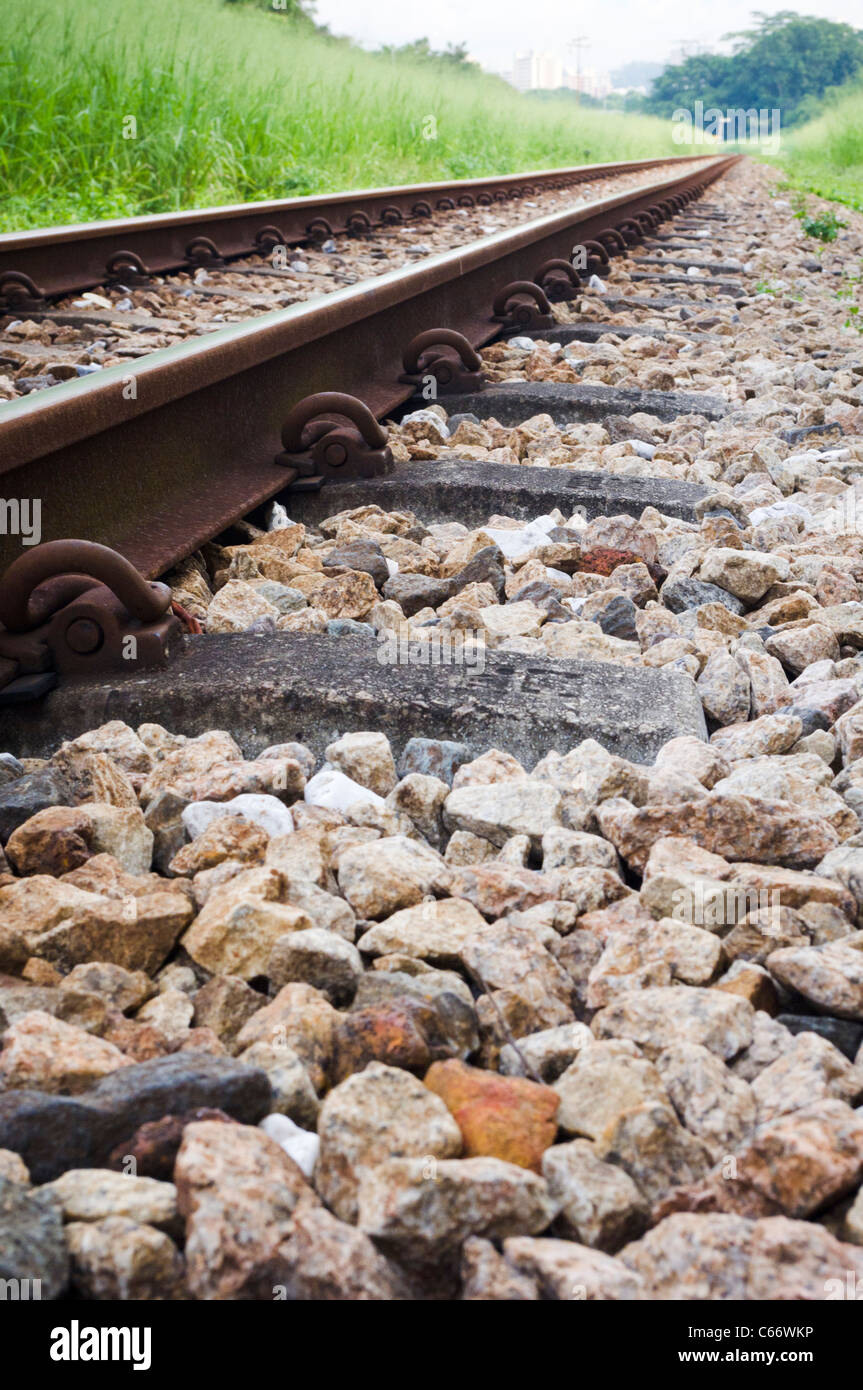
589 81
546 72
536 71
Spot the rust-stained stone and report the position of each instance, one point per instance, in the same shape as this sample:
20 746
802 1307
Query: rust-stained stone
502 1117
388 1033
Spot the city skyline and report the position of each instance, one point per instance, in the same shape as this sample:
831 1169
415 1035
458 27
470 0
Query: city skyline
622 31
547 71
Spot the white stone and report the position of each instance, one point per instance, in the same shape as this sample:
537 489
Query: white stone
277 518
429 417
514 543
302 1145
644 450
336 792
268 812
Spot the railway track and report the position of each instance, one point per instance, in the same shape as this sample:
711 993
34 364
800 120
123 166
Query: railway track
66 326
54 262
576 635
227 397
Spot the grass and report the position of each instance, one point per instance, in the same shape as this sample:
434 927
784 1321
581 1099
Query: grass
825 156
231 104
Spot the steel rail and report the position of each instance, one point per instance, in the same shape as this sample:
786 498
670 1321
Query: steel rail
62 260
156 459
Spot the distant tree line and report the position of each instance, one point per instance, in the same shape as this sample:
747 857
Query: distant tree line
455 54
293 9
787 61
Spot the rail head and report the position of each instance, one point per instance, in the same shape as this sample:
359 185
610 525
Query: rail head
169 452
49 261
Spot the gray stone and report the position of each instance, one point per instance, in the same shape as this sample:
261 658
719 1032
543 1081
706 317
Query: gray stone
24 796
415 591
485 567
599 1204
319 958
661 1017
265 690
164 816
502 809
282 596
474 491
680 594
364 555
488 1278
724 689
617 618
375 1115
10 769
433 758
54 1133
566 1271
31 1242
419 1208
349 627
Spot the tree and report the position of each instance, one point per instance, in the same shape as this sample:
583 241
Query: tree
293 9
784 62
455 54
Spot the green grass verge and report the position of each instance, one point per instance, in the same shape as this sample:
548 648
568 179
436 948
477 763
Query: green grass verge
234 104
825 156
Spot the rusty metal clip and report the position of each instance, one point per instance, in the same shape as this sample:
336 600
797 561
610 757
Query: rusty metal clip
17 291
268 238
75 608
319 446
447 357
358 223
613 240
598 260
127 267
319 230
558 279
630 231
203 252
522 306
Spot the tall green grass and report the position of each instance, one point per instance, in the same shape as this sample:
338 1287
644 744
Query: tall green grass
236 104
825 156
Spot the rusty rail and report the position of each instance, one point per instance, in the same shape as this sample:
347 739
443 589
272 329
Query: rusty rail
155 459
52 261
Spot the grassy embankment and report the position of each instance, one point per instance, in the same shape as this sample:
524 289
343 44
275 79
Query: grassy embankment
825 156
236 104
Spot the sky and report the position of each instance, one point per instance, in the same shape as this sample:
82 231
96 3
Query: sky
620 31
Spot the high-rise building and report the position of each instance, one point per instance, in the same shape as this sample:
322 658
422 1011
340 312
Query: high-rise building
532 71
546 72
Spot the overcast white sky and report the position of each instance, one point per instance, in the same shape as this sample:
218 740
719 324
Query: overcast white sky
619 30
